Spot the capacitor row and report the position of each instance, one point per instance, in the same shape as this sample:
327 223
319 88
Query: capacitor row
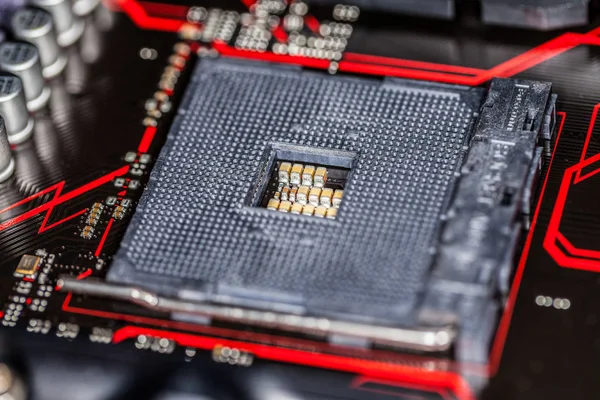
38 34
304 209
297 174
314 195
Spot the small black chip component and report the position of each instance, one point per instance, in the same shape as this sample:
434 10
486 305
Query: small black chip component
421 193
541 15
442 9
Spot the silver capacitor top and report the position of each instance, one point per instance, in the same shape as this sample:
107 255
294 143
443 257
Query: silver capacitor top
7 161
23 60
68 26
13 108
35 26
84 7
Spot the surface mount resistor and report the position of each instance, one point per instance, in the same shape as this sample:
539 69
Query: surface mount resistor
285 194
273 204
296 208
161 96
302 194
320 211
285 206
87 232
331 213
154 114
149 121
320 177
308 174
182 48
296 174
284 172
93 218
314 195
95 213
337 197
326 195
308 209
293 194
119 212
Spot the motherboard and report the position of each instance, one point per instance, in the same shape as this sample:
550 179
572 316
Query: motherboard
281 199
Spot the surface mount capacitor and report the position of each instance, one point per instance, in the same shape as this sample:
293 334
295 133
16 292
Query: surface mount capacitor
13 108
35 26
69 27
23 60
7 162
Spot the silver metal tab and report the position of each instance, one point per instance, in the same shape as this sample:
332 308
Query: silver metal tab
428 339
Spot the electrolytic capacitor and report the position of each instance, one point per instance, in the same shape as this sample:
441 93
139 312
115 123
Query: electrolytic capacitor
7 162
23 60
35 26
84 7
13 108
68 26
